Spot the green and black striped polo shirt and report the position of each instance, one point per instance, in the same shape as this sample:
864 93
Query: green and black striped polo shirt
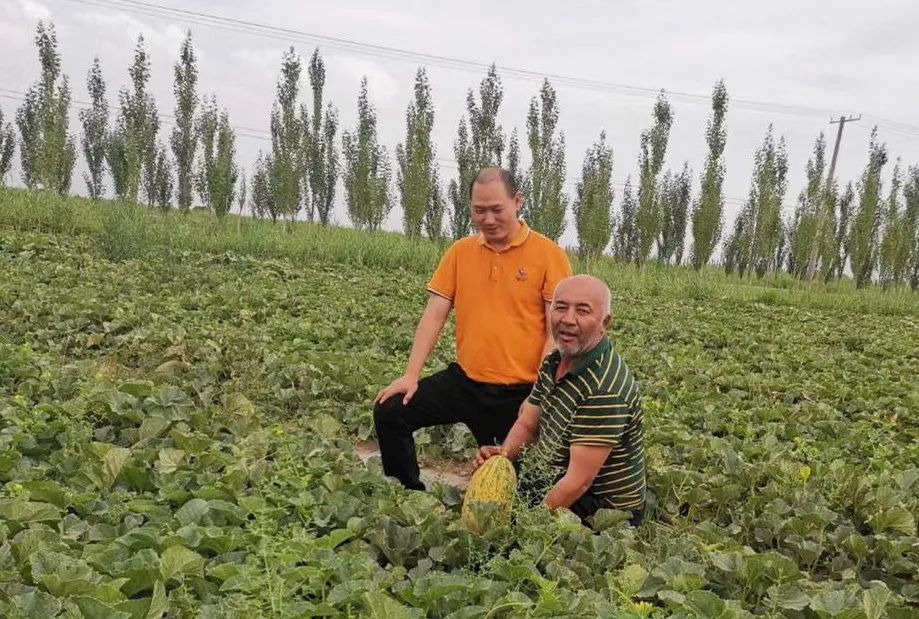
596 402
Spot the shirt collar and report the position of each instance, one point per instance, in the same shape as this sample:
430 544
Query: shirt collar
603 346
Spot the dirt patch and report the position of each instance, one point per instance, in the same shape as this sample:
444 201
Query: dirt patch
449 472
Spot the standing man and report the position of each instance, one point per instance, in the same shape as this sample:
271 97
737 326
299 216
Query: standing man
500 283
584 417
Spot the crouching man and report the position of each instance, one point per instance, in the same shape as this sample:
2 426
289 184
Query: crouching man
582 422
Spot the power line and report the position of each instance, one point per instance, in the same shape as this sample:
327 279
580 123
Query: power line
381 51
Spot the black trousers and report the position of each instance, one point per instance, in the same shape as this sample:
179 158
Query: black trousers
449 396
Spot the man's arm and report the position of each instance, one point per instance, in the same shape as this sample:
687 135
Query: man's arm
583 465
426 333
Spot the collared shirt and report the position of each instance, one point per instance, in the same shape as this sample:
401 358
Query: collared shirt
596 402
500 302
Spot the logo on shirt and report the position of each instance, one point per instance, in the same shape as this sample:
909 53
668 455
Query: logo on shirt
521 274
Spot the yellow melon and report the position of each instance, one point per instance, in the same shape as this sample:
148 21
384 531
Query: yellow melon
491 493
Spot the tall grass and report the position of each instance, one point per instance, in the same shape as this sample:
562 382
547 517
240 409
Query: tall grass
124 231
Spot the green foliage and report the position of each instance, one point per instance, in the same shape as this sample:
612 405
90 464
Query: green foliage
417 172
649 218
323 156
263 204
674 196
896 246
216 177
184 138
124 235
841 249
759 238
625 242
479 143
708 210
593 206
288 156
911 197
173 448
545 205
7 146
131 144
95 128
434 215
367 168
47 150
806 235
866 222
163 180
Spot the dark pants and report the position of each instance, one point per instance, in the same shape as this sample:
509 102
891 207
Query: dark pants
449 396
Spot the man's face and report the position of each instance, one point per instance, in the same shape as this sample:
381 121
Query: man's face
494 212
577 319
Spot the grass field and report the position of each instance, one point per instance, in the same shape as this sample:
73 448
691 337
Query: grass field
180 399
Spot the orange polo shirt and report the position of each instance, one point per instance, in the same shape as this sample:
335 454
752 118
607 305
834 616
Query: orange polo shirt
499 299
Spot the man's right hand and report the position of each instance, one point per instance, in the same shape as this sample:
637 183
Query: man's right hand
485 452
404 384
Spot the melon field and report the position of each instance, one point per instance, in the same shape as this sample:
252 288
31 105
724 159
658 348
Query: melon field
181 400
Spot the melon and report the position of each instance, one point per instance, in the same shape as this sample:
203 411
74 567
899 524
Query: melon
490 495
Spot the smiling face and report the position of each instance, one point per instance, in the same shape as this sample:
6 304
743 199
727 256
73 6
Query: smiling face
579 315
494 212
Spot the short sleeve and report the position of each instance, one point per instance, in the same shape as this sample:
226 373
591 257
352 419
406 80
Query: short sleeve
601 419
443 282
559 268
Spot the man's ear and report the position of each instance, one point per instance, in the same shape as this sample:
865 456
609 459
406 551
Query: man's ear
518 201
606 321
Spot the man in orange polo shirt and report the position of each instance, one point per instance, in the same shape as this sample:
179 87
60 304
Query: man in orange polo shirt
500 283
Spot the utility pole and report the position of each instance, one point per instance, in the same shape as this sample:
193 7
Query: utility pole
822 215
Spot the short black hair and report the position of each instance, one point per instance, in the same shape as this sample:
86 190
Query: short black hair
492 173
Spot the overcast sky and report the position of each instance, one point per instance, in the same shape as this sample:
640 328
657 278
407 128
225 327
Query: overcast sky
829 57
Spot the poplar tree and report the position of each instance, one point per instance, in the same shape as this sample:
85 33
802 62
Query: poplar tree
95 128
593 205
707 213
648 219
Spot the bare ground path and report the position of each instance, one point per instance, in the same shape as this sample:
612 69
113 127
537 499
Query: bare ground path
449 472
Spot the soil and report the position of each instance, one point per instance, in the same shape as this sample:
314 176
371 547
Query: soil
445 471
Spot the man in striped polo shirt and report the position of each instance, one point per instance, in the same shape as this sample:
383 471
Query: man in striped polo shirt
580 429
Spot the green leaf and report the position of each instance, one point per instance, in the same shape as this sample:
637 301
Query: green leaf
897 519
38 604
159 603
138 389
381 606
789 597
170 460
631 579
46 492
178 560
875 600
704 603
192 512
152 427
96 609
28 511
112 463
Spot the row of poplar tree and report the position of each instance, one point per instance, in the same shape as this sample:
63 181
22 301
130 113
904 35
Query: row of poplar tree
876 235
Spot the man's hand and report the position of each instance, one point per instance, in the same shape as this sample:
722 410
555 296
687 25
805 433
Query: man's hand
404 384
485 452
